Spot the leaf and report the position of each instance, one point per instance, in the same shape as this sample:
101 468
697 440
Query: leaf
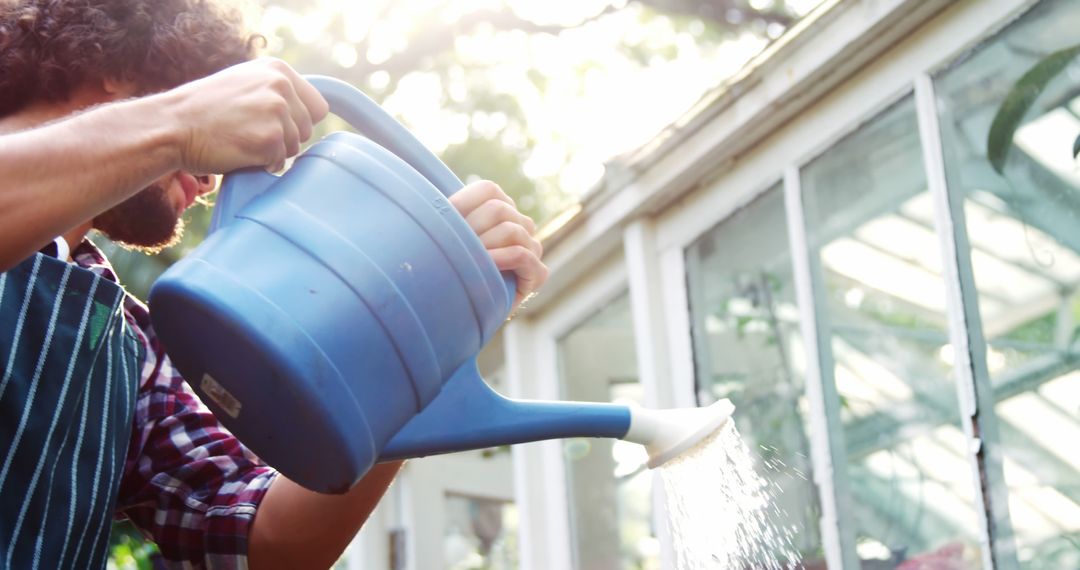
1076 147
740 326
1019 100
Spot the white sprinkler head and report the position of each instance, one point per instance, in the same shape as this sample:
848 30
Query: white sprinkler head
668 433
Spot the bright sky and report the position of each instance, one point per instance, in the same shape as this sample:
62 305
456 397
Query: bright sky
581 119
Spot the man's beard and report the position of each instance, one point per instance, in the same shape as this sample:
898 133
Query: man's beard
145 222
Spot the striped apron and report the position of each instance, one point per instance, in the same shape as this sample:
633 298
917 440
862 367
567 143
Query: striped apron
70 366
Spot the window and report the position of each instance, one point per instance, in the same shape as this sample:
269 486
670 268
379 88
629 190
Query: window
747 347
609 486
481 533
880 300
1023 227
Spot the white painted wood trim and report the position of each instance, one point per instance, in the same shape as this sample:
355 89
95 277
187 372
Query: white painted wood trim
538 472
978 419
647 307
683 385
830 464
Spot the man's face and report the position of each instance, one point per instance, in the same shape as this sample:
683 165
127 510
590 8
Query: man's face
151 219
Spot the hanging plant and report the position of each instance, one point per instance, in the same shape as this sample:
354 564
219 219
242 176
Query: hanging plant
1019 101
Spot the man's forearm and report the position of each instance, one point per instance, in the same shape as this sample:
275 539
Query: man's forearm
297 528
63 174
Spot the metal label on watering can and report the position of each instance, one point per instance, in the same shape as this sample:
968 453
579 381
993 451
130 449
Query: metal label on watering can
220 396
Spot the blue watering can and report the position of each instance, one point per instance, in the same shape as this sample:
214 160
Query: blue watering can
332 318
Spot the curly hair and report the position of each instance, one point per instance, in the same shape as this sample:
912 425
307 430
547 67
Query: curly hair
48 48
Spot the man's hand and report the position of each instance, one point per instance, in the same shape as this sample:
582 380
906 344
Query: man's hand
506 233
254 113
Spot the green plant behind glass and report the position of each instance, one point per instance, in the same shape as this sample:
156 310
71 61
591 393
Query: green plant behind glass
1019 101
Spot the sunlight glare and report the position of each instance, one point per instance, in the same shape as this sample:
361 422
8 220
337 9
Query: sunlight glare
344 54
588 94
359 18
802 7
559 12
418 103
309 26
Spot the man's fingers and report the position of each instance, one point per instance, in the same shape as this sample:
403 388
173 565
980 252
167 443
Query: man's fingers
494 212
508 234
505 232
299 115
312 100
298 118
292 136
316 105
277 162
240 116
526 265
472 196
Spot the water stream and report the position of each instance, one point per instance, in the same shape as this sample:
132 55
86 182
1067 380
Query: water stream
721 512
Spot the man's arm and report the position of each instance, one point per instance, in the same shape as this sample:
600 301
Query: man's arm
63 174
297 528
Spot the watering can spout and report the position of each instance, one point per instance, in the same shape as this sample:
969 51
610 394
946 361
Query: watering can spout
468 414
666 434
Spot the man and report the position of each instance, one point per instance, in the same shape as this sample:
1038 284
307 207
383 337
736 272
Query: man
114 116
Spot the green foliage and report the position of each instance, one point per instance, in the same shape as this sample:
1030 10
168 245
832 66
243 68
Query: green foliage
1038 330
1019 100
129 550
485 158
1060 552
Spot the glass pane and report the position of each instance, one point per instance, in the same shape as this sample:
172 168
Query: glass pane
1024 230
881 295
610 487
480 534
747 347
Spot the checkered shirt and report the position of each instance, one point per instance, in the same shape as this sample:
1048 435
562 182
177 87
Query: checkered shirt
188 483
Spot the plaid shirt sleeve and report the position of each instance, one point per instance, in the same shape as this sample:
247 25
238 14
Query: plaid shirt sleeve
188 483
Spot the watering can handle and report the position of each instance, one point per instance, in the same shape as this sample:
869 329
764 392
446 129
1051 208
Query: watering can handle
366 116
369 118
